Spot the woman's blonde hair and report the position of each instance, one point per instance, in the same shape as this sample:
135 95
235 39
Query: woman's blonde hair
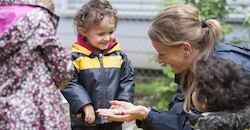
182 23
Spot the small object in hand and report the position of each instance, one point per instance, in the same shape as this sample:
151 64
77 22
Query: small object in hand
79 115
119 113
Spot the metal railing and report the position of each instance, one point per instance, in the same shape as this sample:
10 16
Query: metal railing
136 9
238 9
143 9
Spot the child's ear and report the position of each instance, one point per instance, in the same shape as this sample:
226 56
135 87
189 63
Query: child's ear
82 31
204 105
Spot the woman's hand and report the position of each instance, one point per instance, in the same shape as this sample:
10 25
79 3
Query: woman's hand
121 105
89 114
122 111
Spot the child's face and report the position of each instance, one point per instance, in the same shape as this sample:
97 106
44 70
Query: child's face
100 36
199 106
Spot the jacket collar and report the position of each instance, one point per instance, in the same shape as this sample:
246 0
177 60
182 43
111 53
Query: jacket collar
81 46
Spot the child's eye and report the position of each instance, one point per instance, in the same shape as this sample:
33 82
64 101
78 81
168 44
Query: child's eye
111 32
100 34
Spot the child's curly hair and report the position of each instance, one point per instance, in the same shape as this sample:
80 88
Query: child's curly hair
93 12
222 84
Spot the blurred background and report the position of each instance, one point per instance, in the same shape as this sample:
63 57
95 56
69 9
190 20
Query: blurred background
135 17
154 84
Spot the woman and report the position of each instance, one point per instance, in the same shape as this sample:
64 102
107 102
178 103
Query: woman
181 39
33 65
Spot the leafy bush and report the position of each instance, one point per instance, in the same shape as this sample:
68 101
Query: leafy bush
158 92
166 89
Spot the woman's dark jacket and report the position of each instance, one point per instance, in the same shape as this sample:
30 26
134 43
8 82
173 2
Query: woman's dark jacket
175 118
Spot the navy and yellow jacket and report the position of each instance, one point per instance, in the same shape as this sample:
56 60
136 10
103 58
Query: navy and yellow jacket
97 80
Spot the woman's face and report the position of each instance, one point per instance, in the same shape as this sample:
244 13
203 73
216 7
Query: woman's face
174 56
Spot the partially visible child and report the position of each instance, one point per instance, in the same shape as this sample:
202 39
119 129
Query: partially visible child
33 65
102 71
223 90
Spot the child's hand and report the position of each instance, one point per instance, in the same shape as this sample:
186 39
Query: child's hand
89 114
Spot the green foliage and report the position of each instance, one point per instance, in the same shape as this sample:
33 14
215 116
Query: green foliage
247 20
167 89
146 89
145 93
211 9
226 28
215 9
246 15
158 92
238 41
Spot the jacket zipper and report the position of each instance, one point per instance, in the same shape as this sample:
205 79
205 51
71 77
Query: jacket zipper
100 57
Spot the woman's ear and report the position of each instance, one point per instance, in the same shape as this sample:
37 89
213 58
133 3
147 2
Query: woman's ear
82 31
187 48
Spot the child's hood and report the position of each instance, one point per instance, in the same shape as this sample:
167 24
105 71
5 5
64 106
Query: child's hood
20 24
34 3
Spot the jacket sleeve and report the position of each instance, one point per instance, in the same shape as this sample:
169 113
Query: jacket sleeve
76 94
164 120
173 119
127 81
55 56
58 62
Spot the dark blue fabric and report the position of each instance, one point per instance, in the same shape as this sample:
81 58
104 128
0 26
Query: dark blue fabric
175 117
238 54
